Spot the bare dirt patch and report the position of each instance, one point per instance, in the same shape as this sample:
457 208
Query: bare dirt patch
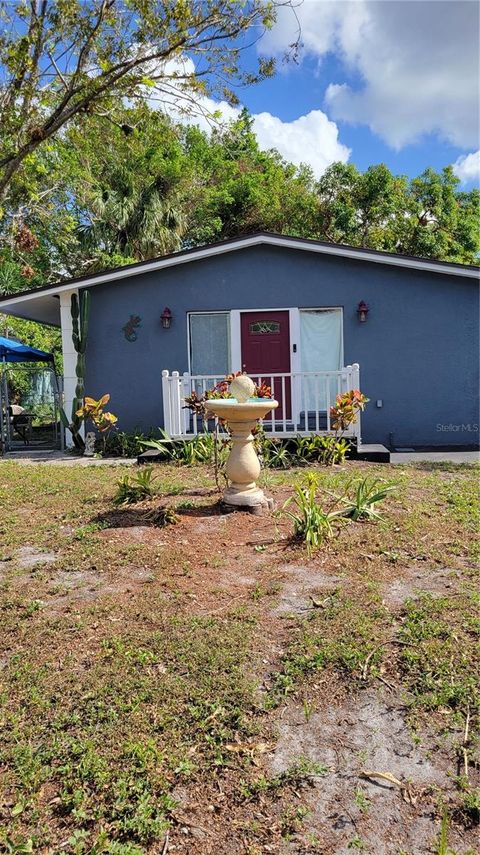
67 588
302 583
134 534
64 589
366 732
95 632
28 556
413 581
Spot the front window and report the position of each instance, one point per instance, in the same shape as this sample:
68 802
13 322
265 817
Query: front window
321 350
210 343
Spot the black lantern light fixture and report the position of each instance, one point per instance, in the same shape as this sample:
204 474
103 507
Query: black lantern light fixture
362 311
166 318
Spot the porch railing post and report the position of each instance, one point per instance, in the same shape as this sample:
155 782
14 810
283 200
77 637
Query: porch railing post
176 404
347 377
356 375
356 385
186 392
167 406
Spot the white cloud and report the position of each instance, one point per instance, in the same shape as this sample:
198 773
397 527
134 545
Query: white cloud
311 139
416 62
467 167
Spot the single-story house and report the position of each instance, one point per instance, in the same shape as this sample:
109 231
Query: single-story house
308 318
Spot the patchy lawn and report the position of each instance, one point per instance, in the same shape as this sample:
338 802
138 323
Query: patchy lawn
207 688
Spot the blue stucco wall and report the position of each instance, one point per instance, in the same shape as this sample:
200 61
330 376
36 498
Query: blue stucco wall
418 351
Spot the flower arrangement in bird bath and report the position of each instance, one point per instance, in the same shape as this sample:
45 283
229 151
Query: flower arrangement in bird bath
240 403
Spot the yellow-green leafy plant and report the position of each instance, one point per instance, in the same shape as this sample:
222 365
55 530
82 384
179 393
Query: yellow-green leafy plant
131 489
367 493
93 411
311 523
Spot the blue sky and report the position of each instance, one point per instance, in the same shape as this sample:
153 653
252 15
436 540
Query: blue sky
393 81
299 90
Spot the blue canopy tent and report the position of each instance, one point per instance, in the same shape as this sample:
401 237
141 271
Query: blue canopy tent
37 420
15 351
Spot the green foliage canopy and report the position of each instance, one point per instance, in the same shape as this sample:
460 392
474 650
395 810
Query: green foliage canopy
107 198
63 59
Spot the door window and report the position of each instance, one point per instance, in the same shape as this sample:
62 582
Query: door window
264 328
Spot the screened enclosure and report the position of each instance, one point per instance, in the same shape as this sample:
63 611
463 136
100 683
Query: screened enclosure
29 399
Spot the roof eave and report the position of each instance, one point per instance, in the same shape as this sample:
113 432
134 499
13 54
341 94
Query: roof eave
200 253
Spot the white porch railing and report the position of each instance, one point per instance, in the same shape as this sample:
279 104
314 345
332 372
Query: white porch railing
305 400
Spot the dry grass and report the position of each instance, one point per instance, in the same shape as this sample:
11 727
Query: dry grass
132 654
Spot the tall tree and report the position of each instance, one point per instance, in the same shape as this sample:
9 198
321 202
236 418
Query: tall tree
105 193
61 59
427 216
128 190
439 220
237 188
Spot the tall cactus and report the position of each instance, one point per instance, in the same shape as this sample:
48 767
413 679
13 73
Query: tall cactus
80 311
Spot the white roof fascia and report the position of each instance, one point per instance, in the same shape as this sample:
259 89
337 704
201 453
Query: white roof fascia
242 243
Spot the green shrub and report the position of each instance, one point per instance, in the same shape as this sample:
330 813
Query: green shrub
327 450
367 493
272 451
311 523
190 452
135 489
200 449
123 444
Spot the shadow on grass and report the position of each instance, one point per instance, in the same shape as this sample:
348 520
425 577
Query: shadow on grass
131 516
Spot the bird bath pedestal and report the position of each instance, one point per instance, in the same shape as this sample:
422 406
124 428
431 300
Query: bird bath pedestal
243 466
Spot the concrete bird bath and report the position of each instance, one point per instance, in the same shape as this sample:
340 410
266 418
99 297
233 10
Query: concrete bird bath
243 466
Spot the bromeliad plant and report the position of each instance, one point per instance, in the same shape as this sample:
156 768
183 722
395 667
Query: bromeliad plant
314 525
326 450
131 489
204 448
199 449
367 493
272 451
198 403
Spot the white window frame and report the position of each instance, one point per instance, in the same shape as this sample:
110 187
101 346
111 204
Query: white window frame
189 342
326 309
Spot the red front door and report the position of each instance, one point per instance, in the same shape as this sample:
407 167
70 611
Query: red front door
266 351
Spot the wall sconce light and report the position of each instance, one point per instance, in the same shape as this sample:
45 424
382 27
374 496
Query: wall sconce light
166 318
362 311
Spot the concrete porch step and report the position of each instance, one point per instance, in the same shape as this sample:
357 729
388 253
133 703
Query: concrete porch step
374 453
